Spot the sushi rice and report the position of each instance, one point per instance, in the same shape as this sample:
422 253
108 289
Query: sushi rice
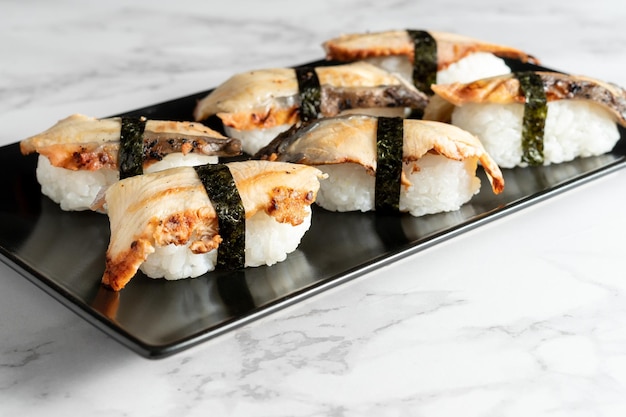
437 184
253 140
573 128
77 190
267 242
473 67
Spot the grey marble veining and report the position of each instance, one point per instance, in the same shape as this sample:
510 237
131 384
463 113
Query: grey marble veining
522 317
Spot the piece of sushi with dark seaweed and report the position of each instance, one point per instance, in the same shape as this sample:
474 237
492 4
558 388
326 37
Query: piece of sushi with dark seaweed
80 155
426 57
534 117
183 222
389 164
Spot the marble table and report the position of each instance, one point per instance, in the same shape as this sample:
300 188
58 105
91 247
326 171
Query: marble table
524 316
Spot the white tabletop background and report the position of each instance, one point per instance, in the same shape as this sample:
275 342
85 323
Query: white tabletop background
525 316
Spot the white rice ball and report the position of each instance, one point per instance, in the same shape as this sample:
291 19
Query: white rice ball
267 242
348 187
472 67
78 190
437 184
573 128
72 190
174 262
395 64
253 140
441 184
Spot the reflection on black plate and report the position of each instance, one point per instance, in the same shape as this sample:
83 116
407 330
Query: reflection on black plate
63 252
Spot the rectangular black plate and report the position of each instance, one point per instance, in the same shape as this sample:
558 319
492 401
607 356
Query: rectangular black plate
63 252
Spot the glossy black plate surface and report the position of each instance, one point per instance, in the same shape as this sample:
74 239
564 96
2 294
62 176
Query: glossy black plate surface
63 252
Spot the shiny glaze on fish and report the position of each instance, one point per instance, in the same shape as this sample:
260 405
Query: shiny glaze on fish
352 139
450 47
506 89
172 206
80 142
267 98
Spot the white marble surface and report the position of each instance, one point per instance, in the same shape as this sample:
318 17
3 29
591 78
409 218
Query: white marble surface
523 317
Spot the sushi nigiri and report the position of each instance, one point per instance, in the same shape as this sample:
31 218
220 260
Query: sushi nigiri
389 164
535 117
256 106
441 57
183 222
80 155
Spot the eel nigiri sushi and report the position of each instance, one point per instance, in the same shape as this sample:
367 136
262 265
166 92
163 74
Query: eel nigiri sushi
441 57
256 106
389 164
535 117
183 222
80 155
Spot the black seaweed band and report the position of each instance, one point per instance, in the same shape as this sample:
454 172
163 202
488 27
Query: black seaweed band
310 93
424 61
389 144
535 113
231 215
131 153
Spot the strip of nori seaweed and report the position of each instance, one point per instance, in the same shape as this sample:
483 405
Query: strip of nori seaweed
310 93
131 153
389 143
231 215
425 60
535 113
